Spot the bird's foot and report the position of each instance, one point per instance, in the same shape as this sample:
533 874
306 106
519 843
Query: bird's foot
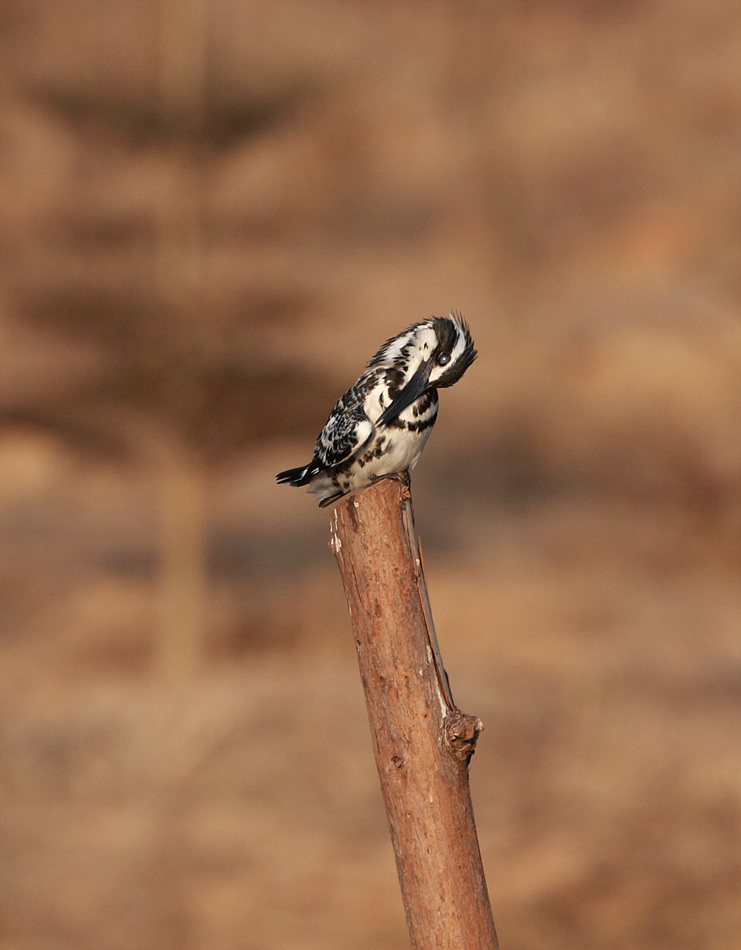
402 477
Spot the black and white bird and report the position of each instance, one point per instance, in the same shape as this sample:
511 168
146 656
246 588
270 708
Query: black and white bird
380 425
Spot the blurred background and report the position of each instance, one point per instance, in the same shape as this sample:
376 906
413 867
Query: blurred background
212 214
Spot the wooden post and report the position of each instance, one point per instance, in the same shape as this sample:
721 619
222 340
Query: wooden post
422 742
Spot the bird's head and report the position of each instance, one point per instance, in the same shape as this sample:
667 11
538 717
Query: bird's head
453 352
433 354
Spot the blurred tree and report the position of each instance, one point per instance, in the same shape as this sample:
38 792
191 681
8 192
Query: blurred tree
181 381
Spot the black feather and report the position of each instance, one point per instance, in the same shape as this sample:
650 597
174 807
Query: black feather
295 476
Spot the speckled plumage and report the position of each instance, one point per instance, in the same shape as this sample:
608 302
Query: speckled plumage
380 425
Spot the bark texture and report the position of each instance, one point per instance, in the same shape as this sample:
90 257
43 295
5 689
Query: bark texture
422 742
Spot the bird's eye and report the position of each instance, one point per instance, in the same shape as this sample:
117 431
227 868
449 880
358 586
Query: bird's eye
443 359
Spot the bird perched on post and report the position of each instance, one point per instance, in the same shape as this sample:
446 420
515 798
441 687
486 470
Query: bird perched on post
380 425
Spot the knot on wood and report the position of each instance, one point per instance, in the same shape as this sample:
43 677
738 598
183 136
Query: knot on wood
461 733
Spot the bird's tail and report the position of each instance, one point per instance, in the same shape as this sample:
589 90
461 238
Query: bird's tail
294 476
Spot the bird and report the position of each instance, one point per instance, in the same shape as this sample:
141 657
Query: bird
379 427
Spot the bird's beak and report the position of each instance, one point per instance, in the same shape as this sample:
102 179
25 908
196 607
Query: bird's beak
405 397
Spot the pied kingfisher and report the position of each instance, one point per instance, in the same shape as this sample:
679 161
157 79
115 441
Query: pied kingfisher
380 426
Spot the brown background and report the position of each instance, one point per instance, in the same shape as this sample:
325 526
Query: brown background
211 214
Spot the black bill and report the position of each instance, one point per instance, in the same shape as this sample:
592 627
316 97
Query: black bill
406 396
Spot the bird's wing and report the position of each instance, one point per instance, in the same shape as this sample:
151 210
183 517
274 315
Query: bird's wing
347 432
